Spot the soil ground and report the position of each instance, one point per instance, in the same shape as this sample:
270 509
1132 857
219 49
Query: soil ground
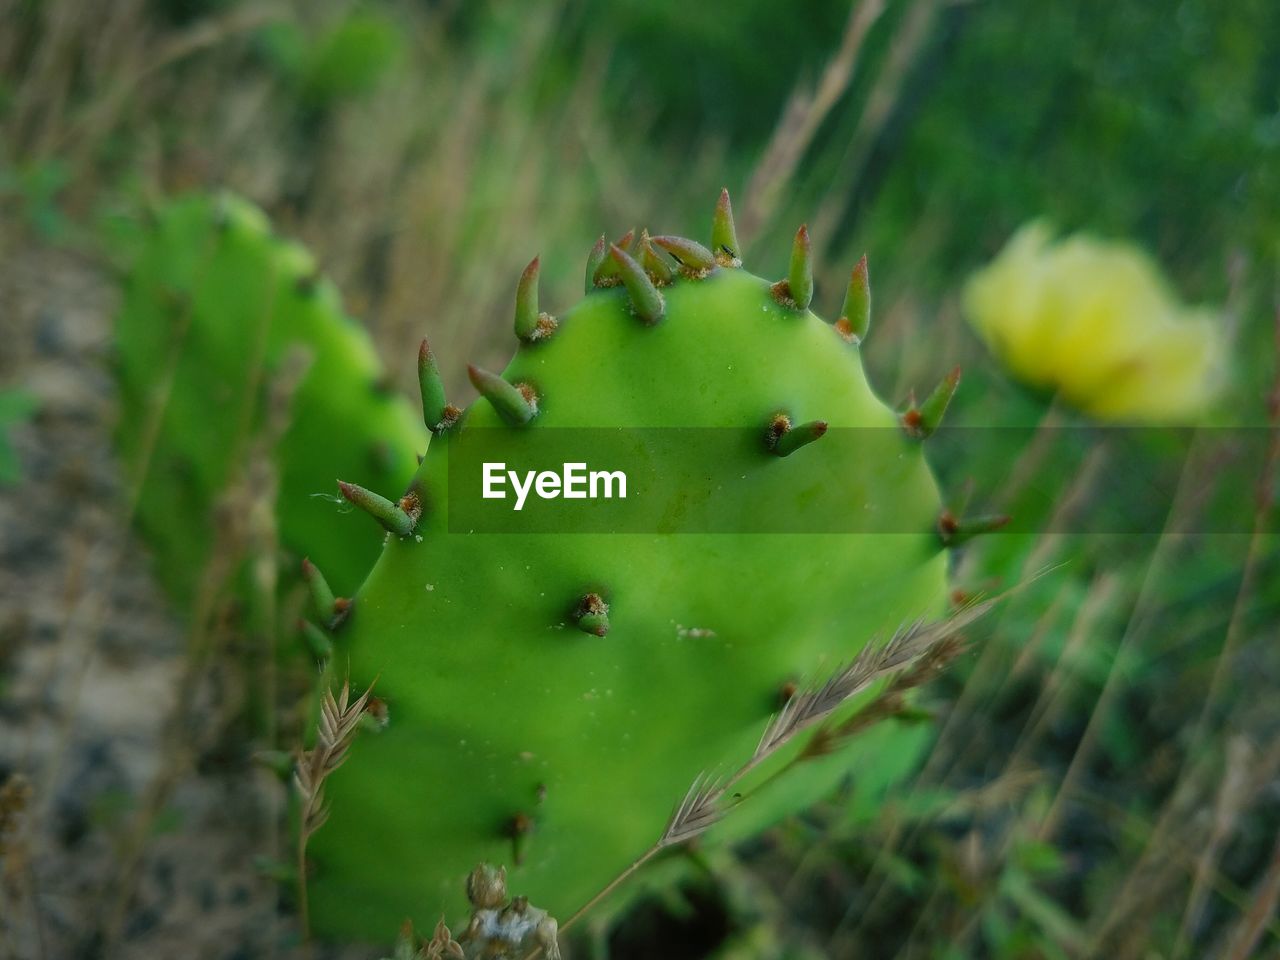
132 843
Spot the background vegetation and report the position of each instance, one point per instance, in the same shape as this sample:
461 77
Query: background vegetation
1105 775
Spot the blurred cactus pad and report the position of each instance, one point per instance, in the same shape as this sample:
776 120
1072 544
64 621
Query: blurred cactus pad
550 697
244 384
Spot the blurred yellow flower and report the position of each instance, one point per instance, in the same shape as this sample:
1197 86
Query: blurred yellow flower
1094 321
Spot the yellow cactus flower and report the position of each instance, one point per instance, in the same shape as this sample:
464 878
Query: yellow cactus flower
1095 322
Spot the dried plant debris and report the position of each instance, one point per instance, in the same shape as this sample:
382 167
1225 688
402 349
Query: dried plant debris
340 719
441 946
502 929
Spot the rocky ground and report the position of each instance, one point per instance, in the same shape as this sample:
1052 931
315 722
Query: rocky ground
131 832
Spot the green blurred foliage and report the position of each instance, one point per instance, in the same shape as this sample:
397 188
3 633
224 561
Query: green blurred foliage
16 407
1158 121
187 11
35 189
346 59
1152 120
718 70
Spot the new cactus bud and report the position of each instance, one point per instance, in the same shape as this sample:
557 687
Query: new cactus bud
658 269
646 299
595 260
531 324
796 291
695 260
395 518
855 315
606 273
920 421
517 404
955 531
724 236
318 643
438 414
324 603
784 438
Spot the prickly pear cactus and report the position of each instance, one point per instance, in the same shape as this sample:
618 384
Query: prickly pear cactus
229 344
551 696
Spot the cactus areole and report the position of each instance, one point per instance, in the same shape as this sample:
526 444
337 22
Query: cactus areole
554 688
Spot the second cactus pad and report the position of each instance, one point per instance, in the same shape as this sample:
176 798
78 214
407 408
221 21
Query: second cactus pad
229 339
552 695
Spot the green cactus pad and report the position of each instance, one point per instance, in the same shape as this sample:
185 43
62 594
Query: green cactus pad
552 696
219 315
